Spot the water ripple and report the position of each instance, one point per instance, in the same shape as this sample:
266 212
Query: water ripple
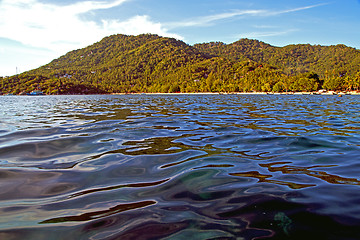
179 166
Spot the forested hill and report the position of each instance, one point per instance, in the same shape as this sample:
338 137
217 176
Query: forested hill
292 59
150 63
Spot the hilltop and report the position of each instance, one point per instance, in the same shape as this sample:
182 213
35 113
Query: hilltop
150 63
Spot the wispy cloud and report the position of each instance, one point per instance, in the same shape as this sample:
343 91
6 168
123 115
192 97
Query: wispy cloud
207 20
274 13
211 19
266 33
264 26
62 28
83 7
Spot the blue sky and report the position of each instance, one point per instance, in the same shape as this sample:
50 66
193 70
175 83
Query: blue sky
34 32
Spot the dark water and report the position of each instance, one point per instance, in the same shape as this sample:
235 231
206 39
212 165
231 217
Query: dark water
180 167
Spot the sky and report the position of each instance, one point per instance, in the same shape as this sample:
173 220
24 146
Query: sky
34 32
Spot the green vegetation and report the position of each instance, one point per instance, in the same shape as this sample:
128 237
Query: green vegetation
150 63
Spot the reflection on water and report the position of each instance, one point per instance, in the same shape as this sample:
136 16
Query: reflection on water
100 214
179 166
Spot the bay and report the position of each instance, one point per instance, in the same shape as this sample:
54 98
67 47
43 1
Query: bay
179 166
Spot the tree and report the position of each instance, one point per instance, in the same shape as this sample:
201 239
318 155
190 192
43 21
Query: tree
334 83
357 81
278 87
266 87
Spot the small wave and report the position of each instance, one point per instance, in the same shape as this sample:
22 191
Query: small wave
184 166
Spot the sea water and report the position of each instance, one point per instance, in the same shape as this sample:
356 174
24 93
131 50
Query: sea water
179 167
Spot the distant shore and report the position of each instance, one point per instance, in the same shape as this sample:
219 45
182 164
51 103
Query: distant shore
328 93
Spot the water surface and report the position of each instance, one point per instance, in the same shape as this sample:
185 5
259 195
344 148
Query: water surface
179 167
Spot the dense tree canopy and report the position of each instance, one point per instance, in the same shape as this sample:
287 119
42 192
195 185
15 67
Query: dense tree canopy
150 63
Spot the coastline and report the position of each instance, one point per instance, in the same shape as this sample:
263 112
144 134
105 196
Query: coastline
325 93
328 93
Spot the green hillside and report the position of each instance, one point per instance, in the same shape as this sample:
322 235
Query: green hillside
150 63
292 59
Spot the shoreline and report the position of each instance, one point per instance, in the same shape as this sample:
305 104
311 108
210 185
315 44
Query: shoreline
323 93
329 93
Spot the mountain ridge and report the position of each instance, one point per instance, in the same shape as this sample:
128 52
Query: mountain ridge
151 63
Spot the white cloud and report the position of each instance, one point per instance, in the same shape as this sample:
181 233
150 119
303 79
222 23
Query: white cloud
61 28
137 25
